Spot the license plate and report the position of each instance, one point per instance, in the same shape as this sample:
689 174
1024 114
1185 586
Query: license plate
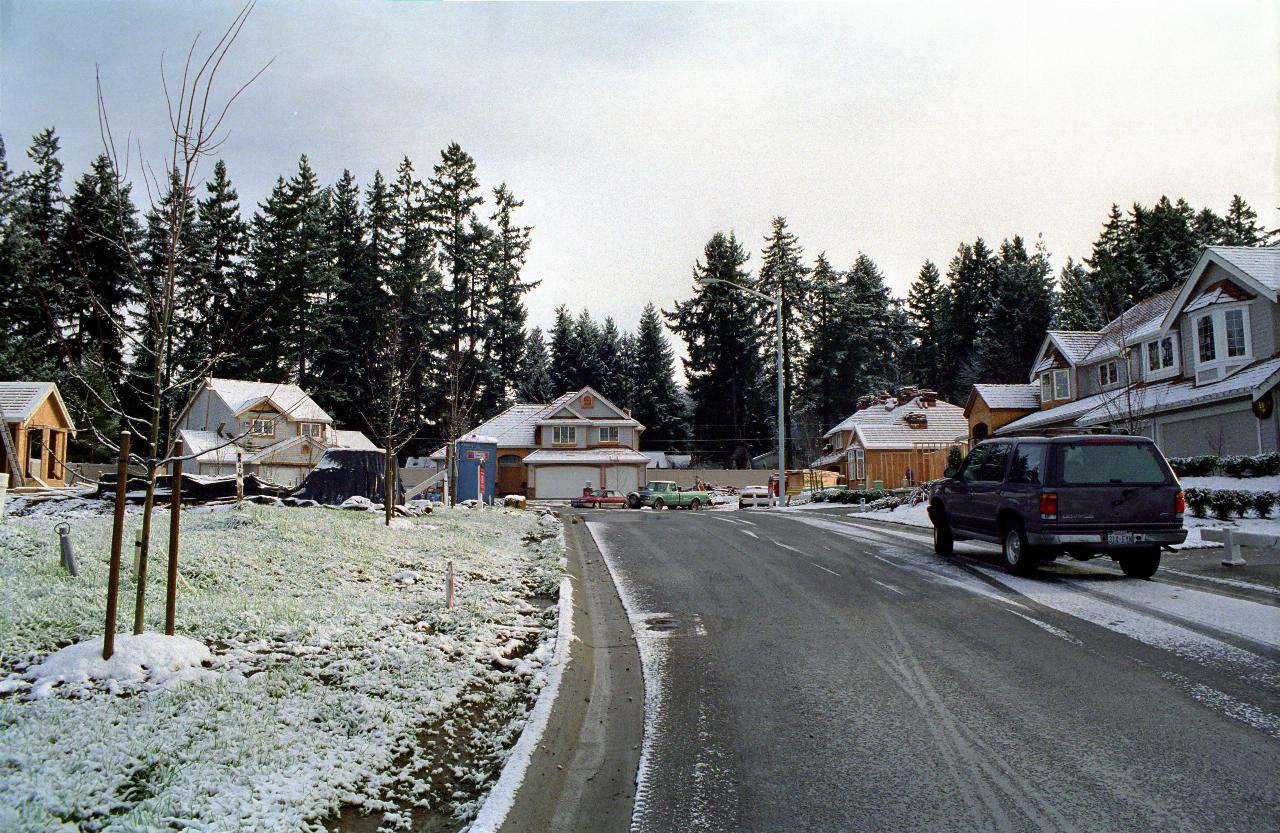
1121 538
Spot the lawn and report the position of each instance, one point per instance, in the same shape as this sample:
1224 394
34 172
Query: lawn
339 682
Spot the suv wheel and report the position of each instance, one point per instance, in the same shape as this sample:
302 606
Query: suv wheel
944 541
658 503
1141 564
1018 558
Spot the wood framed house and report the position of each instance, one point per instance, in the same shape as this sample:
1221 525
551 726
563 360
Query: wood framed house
553 451
277 431
894 440
1196 368
39 429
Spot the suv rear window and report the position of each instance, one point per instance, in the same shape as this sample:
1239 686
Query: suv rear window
1109 462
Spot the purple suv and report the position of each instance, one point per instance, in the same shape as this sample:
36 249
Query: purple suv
1039 497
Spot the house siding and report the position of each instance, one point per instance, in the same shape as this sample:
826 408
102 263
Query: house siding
1228 429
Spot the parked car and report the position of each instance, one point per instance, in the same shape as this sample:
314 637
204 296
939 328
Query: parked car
753 496
662 494
1085 495
599 499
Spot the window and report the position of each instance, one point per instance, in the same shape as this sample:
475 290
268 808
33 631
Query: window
609 434
262 426
976 466
564 435
1234 320
1104 462
1062 384
1204 338
1028 462
839 440
588 402
1107 374
311 429
509 461
859 464
1161 356
1046 386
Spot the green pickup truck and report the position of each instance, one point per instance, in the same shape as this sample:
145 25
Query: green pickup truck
665 494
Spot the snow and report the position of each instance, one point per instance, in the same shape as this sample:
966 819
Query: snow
1265 526
143 661
304 680
1243 484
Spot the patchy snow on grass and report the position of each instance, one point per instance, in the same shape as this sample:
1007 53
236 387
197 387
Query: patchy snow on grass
306 680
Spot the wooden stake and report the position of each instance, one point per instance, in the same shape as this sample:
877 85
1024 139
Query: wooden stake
175 515
389 492
117 539
448 582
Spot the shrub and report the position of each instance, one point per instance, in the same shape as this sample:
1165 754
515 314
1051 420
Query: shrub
1267 465
1223 503
1234 466
1263 503
1242 501
1198 501
954 457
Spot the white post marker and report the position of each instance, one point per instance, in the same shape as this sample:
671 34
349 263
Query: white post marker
1234 558
239 476
448 585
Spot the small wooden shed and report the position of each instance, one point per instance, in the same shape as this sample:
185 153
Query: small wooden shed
37 433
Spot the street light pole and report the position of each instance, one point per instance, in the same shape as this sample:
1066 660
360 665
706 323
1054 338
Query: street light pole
782 424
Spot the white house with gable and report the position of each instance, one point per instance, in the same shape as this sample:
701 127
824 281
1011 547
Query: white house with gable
277 430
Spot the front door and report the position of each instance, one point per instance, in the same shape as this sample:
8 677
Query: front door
511 475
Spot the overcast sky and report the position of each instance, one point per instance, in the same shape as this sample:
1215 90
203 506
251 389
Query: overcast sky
634 132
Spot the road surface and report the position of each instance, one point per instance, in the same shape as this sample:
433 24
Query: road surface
805 672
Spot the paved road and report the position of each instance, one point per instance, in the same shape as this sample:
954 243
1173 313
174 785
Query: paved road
803 672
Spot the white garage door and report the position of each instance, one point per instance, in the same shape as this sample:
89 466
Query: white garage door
621 478
564 481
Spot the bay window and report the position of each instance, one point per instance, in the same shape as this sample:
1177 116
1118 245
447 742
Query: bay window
1222 341
1055 384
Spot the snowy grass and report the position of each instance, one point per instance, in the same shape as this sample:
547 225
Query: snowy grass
326 668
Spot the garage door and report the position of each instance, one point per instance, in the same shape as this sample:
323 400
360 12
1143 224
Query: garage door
564 481
621 478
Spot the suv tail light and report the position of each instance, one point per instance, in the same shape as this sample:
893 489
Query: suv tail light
1049 506
1180 504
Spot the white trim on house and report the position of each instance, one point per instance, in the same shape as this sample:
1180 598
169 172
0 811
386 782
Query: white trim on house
1189 285
1222 364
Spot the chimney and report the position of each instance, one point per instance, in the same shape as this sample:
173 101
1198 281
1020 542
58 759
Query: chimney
916 420
928 398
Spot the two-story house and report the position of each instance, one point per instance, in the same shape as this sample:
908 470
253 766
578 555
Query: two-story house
1195 368
556 450
276 430
893 439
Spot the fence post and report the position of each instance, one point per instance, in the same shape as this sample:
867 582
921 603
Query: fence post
448 585
1234 558
117 539
239 476
175 516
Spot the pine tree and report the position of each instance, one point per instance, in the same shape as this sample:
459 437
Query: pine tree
1241 227
925 308
869 365
784 277
506 315
590 340
1118 271
655 398
1166 239
970 277
1021 309
40 218
566 354
725 370
221 305
534 385
828 331
1078 307
24 338
611 360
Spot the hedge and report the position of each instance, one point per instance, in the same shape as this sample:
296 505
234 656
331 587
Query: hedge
1259 465
1224 503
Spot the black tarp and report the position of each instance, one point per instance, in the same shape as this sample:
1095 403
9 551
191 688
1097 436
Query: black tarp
195 488
343 473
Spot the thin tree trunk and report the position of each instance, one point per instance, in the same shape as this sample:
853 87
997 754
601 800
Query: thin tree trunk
390 487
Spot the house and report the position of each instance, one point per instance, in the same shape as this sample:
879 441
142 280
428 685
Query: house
993 406
276 430
38 428
1195 368
894 439
553 451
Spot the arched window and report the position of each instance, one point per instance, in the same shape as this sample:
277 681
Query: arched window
510 460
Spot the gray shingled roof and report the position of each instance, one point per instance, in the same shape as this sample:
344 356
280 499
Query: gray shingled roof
1138 322
292 400
1262 263
1075 344
1009 396
19 400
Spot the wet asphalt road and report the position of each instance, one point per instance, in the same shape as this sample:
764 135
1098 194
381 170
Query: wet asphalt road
804 673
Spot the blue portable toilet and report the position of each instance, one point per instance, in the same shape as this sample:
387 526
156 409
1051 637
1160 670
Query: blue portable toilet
476 454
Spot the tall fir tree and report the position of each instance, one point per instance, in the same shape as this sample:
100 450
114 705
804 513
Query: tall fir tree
1078 307
970 277
828 331
927 315
1021 309
1241 227
655 398
40 219
725 369
590 341
24 336
612 383
505 290
534 385
784 277
567 360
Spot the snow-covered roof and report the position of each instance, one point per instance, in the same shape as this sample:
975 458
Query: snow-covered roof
20 400
1254 380
293 401
1262 263
878 427
207 446
586 456
1009 396
1139 322
353 440
1075 344
828 458
1061 415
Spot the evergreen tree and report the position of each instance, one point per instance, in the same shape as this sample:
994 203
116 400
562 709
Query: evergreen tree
874 330
506 314
592 348
927 316
220 303
828 331
611 360
1241 227
725 370
1119 273
970 277
567 360
784 277
655 398
1021 309
1166 240
43 316
534 385
24 337
1078 307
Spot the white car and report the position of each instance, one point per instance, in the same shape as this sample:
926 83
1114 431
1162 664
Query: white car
753 496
